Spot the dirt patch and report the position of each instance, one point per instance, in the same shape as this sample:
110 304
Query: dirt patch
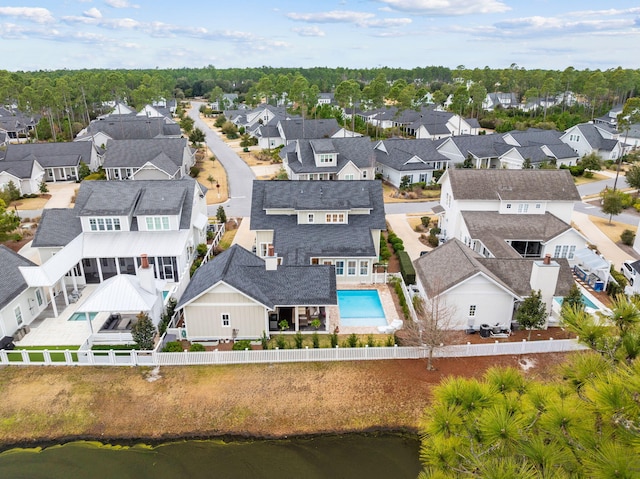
272 400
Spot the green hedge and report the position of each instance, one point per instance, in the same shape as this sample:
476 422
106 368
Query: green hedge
406 267
403 302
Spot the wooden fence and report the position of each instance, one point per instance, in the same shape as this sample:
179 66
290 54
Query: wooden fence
155 358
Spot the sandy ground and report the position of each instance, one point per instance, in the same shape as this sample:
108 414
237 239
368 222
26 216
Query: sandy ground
275 400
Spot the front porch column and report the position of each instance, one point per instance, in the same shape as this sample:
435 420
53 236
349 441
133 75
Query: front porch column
296 319
99 270
73 279
117 266
82 270
53 302
64 291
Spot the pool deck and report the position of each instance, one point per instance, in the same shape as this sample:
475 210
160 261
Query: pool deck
386 298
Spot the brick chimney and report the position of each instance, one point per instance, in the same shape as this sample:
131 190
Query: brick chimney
271 260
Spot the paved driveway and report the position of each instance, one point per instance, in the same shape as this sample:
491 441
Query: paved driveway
61 194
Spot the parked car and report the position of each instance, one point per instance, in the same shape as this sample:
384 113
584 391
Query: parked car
631 270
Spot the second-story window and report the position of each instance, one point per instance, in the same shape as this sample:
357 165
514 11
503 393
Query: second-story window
104 224
310 218
335 218
157 223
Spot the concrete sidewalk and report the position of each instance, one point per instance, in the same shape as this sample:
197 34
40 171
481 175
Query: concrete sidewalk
607 248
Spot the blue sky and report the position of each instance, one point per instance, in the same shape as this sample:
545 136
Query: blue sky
548 34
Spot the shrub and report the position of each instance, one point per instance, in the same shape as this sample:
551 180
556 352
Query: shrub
196 348
352 340
201 250
280 342
194 171
391 341
298 339
401 299
435 231
588 174
241 345
627 200
627 237
172 347
334 339
315 340
385 254
406 268
425 220
264 340
370 341
433 241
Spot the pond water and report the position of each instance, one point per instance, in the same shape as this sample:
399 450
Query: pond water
348 456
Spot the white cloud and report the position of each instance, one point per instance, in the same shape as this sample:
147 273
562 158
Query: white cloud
309 31
92 13
447 7
361 19
537 25
34 14
120 4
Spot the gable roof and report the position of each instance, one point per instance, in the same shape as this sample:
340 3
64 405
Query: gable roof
244 271
57 227
20 169
50 155
12 282
400 151
297 243
453 263
135 153
294 129
494 229
127 127
503 184
358 150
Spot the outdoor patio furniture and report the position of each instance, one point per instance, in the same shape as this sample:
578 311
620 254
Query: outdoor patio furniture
303 319
395 325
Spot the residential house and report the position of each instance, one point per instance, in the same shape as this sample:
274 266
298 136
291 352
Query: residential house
320 223
329 159
128 127
110 227
411 161
60 161
500 100
238 295
16 125
287 131
510 213
19 303
610 119
26 175
155 159
475 291
538 146
225 102
483 150
587 138
252 120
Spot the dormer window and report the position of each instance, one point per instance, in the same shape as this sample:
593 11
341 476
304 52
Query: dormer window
335 218
508 206
310 218
157 223
104 224
325 158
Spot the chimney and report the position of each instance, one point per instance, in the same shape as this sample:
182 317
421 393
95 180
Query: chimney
146 275
271 260
544 277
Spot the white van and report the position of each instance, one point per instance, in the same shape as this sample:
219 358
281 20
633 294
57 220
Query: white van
631 270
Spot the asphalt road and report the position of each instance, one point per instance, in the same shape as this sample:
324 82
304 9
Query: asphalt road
239 175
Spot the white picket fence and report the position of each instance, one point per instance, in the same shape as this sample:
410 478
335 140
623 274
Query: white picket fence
154 358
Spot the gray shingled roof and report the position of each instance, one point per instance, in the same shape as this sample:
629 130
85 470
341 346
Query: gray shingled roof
593 136
52 154
12 282
135 153
298 243
297 128
516 185
117 198
399 151
453 262
127 127
536 136
480 146
57 227
493 229
20 169
358 150
285 286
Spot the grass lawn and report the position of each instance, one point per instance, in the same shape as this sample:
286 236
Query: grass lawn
613 230
31 203
581 180
389 193
16 355
217 171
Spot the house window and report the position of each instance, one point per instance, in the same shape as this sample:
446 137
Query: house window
364 268
564 251
472 310
39 297
93 225
226 320
508 206
335 218
157 223
523 207
538 205
310 218
104 224
18 313
351 268
364 174
348 176
339 267
264 249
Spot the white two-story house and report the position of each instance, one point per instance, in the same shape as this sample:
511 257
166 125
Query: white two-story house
111 226
320 223
510 213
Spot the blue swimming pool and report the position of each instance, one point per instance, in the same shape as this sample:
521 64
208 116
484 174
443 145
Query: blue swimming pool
360 307
585 300
81 316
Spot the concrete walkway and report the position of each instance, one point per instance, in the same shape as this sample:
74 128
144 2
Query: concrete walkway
61 194
411 239
244 236
607 248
